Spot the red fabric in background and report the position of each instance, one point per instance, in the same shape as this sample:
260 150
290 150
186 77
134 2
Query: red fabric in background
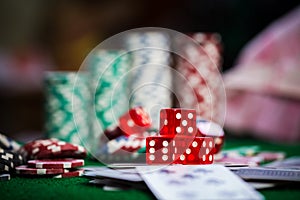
263 89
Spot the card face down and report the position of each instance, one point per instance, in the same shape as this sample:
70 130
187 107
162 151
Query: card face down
269 174
104 172
196 182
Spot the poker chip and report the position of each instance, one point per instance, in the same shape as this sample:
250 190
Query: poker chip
56 164
9 159
52 148
5 168
4 177
75 173
9 163
8 143
26 170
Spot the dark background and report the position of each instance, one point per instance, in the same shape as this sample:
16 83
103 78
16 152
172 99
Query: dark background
58 35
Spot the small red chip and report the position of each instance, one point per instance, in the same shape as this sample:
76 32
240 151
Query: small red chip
70 174
26 170
52 148
56 163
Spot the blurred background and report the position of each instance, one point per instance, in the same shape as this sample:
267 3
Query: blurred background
39 35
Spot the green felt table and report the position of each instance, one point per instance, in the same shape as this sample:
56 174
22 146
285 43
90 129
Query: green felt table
78 188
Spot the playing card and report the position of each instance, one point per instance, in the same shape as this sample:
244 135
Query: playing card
196 182
124 174
269 174
125 165
239 160
261 186
119 183
290 163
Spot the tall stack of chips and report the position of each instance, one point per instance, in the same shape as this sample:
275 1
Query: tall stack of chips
201 85
150 75
107 69
67 106
211 43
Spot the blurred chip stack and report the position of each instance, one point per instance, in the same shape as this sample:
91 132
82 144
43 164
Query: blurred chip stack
107 69
67 106
211 43
200 85
150 75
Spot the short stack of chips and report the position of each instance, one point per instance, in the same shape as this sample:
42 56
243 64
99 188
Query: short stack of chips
178 142
123 142
150 75
9 158
52 158
200 85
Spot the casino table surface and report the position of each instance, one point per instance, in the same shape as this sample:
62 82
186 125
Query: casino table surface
78 188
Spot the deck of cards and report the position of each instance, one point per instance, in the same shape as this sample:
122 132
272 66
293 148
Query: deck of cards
175 181
214 181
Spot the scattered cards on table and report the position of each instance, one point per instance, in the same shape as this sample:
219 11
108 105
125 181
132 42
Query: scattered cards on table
176 181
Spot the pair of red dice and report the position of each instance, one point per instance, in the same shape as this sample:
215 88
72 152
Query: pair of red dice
179 141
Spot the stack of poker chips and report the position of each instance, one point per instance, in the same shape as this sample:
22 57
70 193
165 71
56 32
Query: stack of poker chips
150 75
52 158
107 70
201 84
9 157
67 106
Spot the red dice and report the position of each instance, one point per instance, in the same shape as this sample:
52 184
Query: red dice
179 150
178 142
135 121
211 129
177 121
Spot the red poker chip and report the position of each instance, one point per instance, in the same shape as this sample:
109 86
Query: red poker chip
56 163
26 170
52 148
56 147
75 173
64 154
